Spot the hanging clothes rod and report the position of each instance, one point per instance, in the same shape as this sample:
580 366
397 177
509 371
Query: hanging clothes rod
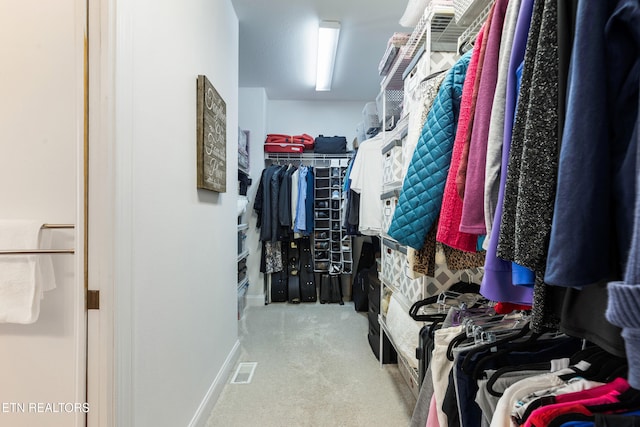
42 251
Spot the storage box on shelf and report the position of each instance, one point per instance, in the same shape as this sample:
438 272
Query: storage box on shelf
392 164
396 262
389 201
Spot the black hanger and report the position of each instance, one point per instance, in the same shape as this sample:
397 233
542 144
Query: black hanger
600 367
523 345
586 354
457 340
583 354
521 333
542 366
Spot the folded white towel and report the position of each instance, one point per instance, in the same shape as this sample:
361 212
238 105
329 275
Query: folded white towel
23 278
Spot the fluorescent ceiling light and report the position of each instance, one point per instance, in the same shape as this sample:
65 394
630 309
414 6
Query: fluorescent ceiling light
328 33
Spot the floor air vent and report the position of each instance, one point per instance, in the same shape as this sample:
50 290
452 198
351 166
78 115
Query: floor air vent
244 373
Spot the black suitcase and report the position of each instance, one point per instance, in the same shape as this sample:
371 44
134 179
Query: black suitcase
360 291
330 289
294 273
308 292
325 288
279 285
336 290
388 355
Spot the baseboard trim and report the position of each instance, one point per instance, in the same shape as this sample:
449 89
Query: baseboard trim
206 406
255 300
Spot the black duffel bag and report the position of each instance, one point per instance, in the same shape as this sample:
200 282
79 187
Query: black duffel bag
330 145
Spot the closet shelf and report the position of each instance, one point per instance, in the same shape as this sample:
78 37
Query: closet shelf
243 282
243 255
436 28
391 286
410 370
309 157
466 39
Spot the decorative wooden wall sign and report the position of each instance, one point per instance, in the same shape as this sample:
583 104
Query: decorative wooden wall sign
211 137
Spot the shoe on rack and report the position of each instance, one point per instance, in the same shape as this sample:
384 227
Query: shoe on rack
321 265
321 235
335 269
322 245
335 195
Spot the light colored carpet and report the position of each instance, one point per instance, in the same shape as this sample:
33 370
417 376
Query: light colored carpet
315 368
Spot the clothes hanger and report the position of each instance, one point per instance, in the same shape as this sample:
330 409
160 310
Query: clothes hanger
601 365
531 341
468 337
510 338
574 359
542 366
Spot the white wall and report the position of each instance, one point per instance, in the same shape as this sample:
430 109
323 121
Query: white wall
253 117
41 165
314 118
176 250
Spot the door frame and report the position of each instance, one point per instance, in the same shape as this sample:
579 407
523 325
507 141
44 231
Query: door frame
109 343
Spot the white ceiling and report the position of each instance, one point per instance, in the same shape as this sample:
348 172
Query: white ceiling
278 39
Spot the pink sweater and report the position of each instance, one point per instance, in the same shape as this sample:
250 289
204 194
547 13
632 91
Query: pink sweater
451 210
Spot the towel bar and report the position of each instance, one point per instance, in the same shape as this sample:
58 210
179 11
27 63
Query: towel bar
42 251
37 251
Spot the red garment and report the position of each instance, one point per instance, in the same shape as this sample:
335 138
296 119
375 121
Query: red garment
544 415
619 384
451 210
508 307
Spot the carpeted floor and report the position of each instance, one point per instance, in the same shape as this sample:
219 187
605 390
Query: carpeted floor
314 368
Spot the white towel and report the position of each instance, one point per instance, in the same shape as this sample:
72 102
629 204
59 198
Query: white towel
23 278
